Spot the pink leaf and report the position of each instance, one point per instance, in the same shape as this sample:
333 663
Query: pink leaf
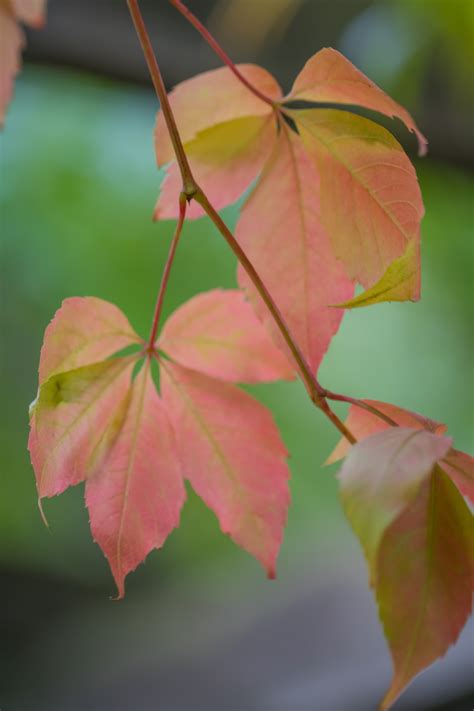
363 423
217 333
460 467
371 203
73 419
424 579
329 77
233 456
281 232
84 330
11 45
135 499
213 98
225 159
381 476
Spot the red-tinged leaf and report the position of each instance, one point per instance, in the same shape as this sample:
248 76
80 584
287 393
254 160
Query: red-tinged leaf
460 467
218 334
425 573
73 419
213 98
30 11
329 77
371 203
135 499
363 423
280 230
232 454
381 476
83 331
11 43
225 159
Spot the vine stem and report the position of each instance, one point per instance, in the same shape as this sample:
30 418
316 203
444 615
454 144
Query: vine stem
363 405
158 83
166 273
190 191
215 46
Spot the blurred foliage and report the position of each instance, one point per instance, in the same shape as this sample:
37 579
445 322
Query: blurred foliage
406 44
76 209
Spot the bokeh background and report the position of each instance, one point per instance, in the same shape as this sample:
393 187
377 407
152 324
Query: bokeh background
201 628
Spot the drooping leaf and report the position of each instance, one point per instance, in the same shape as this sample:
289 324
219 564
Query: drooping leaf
135 499
328 77
425 574
281 232
380 477
217 333
225 159
227 134
84 330
460 467
371 204
232 454
75 414
363 423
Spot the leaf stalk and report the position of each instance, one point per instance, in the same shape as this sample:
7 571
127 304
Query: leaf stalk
215 46
192 191
166 273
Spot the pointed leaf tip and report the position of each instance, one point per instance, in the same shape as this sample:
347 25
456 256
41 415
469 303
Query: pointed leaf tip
330 77
401 282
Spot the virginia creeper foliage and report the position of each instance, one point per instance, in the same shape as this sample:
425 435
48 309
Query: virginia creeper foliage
334 203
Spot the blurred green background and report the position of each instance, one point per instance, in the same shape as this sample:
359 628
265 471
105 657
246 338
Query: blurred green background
200 627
